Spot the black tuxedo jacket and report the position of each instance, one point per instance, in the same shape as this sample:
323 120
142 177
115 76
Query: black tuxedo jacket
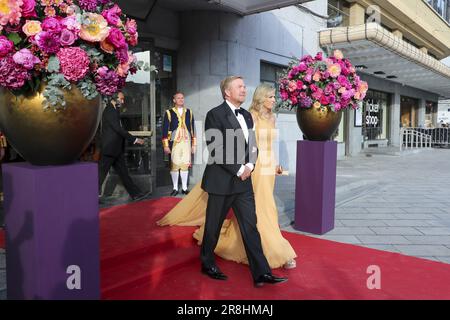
228 150
113 135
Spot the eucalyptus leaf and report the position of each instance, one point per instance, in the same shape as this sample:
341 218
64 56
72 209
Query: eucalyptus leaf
53 64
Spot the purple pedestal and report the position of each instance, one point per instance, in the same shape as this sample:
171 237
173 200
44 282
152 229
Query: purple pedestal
52 231
315 193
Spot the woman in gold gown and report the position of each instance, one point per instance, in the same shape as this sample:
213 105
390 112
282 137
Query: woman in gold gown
192 209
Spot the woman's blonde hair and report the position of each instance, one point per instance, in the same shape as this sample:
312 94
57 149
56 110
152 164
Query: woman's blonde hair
262 92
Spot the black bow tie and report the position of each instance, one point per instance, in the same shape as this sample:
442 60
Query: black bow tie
237 111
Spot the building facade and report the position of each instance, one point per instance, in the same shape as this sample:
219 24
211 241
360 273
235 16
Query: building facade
395 44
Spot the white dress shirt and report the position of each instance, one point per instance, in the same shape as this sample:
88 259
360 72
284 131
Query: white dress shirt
241 120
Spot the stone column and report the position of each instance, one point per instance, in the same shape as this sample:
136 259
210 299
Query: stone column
421 112
395 120
357 14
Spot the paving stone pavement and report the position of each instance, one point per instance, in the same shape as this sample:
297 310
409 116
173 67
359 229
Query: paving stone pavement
393 203
405 207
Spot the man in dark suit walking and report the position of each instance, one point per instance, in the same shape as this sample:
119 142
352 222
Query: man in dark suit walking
113 148
227 179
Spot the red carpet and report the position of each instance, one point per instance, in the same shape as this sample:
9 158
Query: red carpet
143 261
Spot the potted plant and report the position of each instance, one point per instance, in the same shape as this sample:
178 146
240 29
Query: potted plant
319 89
57 59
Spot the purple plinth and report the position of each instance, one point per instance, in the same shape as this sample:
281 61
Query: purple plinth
52 231
315 193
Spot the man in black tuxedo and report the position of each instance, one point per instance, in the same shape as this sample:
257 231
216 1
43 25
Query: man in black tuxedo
227 179
113 148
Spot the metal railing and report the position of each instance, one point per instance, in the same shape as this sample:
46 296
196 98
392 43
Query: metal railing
440 137
412 138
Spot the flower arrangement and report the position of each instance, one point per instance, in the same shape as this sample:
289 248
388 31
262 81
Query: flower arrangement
321 82
63 43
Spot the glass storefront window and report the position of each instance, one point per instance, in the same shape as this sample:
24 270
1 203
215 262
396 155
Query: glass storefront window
431 110
375 116
409 112
270 73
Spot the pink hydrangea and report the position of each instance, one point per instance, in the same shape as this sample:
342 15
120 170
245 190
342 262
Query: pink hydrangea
74 63
89 5
122 54
26 59
12 75
107 81
6 46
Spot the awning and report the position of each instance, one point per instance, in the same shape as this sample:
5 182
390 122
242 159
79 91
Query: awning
377 52
141 8
246 7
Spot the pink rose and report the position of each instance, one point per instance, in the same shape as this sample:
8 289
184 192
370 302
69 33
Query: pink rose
26 58
329 89
67 38
324 100
318 94
332 99
51 24
292 86
6 46
71 24
28 8
308 78
294 99
113 16
116 38
131 26
133 40
302 67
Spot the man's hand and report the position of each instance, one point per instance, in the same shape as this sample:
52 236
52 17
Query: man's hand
167 150
140 141
246 174
278 170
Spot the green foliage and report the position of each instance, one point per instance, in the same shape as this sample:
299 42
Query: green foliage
14 37
53 64
54 92
88 89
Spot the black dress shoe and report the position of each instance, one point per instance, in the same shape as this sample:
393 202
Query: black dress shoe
268 278
214 273
185 191
140 196
174 193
